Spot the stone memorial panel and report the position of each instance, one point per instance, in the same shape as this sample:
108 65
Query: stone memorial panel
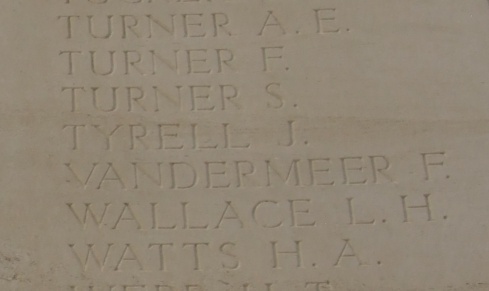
244 145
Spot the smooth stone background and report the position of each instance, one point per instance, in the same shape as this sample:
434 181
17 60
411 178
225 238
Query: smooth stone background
400 79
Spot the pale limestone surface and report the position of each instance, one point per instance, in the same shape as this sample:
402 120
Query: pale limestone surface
251 145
